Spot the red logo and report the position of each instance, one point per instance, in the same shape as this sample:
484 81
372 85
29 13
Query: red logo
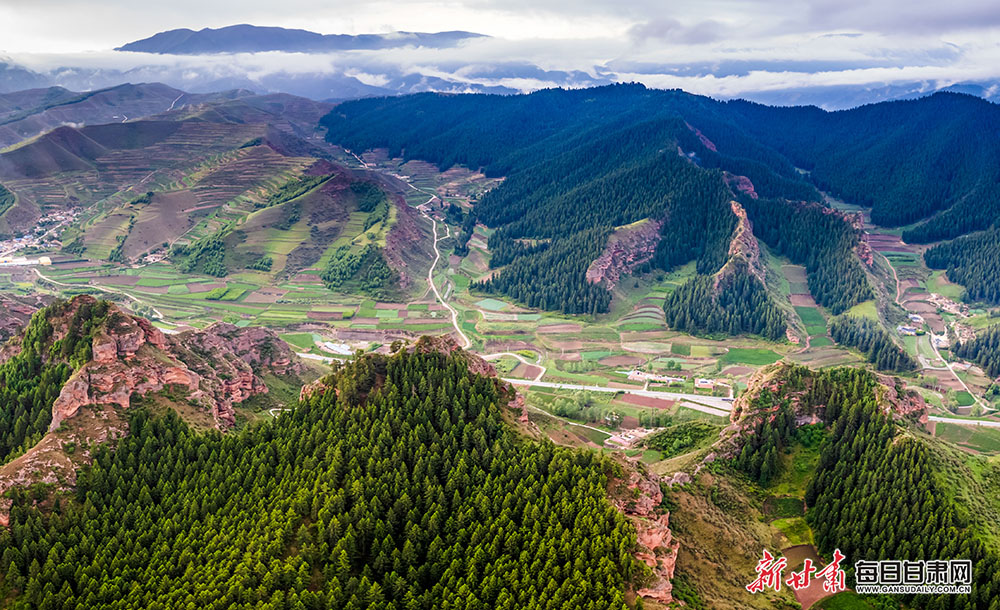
769 574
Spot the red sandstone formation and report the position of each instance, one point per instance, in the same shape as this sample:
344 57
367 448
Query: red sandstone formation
131 357
658 549
741 184
704 141
627 248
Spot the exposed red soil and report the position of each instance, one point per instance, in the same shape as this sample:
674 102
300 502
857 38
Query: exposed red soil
621 361
526 371
647 401
920 307
115 280
883 242
626 249
265 295
802 300
737 371
553 329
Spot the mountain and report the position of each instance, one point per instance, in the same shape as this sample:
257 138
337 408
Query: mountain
254 39
25 114
301 505
211 185
580 163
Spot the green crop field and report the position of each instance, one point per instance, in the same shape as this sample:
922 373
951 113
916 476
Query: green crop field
747 355
813 320
977 438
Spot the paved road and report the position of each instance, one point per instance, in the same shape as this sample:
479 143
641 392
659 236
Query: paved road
326 359
705 404
965 422
537 363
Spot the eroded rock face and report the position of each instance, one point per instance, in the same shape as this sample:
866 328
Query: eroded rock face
215 367
626 249
657 547
743 246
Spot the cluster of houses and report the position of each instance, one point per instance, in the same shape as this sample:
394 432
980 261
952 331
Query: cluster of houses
643 376
916 326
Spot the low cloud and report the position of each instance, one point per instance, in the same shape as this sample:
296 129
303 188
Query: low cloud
673 31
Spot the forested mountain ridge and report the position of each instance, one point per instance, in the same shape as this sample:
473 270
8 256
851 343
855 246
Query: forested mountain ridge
396 485
568 157
574 171
908 160
877 492
592 160
79 357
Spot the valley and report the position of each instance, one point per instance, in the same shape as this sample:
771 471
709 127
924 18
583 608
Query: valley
681 332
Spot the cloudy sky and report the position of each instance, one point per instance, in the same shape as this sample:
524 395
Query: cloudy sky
717 47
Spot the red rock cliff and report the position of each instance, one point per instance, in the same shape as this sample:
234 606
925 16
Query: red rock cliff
216 367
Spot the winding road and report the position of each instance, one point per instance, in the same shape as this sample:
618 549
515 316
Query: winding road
947 365
466 343
104 288
964 422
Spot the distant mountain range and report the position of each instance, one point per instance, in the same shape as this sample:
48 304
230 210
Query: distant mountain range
254 39
339 67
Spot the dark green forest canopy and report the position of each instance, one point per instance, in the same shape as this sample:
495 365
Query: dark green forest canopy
973 261
810 235
577 164
604 157
983 349
908 160
873 341
738 305
402 489
876 494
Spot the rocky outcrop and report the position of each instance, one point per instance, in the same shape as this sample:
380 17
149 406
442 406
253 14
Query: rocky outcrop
446 344
639 498
743 246
215 368
740 184
899 400
627 248
15 311
891 396
405 235
701 137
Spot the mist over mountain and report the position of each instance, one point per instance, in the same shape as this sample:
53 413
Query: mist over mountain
337 67
246 38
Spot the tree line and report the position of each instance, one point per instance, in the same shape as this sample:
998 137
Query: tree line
822 241
973 261
873 341
984 350
738 305
31 379
876 492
